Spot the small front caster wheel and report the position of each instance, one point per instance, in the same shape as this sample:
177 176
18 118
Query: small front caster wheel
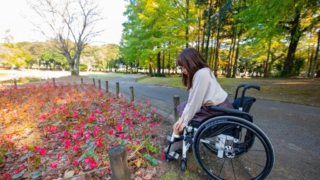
183 164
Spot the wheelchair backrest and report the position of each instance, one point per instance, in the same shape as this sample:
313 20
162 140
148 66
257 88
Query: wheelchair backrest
244 103
247 103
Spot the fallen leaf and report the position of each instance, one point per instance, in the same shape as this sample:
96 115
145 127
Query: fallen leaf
148 177
68 174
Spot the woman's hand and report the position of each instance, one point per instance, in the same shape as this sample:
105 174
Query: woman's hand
178 126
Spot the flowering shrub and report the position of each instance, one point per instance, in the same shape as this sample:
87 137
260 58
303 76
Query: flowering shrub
67 130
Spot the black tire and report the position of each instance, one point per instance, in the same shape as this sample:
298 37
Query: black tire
238 160
183 164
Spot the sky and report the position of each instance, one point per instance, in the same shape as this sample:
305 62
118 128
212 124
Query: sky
13 13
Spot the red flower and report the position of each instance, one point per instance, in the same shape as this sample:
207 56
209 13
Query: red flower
143 118
91 162
98 143
76 148
87 135
52 129
121 136
110 131
122 113
43 117
128 121
22 167
80 131
76 162
75 136
53 165
65 133
96 131
152 125
118 127
92 117
67 143
75 114
162 156
42 151
154 110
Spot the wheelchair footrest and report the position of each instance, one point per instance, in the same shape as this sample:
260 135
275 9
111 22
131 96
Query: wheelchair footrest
172 156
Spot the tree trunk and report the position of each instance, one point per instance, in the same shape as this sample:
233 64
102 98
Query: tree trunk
77 70
163 57
159 62
212 55
187 23
265 71
217 59
199 29
208 34
150 66
169 62
315 64
203 38
310 59
294 39
228 71
236 59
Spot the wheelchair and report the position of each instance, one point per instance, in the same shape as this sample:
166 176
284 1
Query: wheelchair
228 145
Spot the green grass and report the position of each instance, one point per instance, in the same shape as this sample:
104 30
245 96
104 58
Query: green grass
292 90
22 80
105 75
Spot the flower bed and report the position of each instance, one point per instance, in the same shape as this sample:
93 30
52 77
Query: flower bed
66 131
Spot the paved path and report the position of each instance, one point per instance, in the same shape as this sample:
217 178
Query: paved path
293 129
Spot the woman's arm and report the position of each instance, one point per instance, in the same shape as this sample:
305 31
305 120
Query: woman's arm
197 94
179 125
196 97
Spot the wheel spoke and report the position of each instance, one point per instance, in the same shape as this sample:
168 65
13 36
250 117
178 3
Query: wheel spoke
233 150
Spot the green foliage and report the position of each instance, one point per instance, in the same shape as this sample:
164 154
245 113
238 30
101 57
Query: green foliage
165 26
152 161
298 64
158 75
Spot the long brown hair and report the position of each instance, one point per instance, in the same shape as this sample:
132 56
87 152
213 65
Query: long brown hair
192 61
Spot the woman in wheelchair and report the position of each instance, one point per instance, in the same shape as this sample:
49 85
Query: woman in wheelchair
225 142
204 91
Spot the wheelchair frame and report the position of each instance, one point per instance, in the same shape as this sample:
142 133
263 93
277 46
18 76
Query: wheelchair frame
231 123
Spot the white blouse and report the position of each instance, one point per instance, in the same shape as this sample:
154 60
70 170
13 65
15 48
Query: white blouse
205 91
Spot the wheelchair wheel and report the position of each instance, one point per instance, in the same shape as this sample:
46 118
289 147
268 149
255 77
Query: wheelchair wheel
183 164
228 147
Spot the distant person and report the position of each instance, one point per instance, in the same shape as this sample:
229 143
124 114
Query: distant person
204 91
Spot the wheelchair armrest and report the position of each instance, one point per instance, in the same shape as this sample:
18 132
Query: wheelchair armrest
226 110
233 112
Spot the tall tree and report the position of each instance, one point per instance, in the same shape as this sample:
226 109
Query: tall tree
290 17
71 23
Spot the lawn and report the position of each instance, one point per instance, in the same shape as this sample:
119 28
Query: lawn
65 131
292 90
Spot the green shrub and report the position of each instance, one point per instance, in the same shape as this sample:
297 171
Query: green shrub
158 75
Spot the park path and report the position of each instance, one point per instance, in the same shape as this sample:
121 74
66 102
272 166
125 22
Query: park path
292 128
